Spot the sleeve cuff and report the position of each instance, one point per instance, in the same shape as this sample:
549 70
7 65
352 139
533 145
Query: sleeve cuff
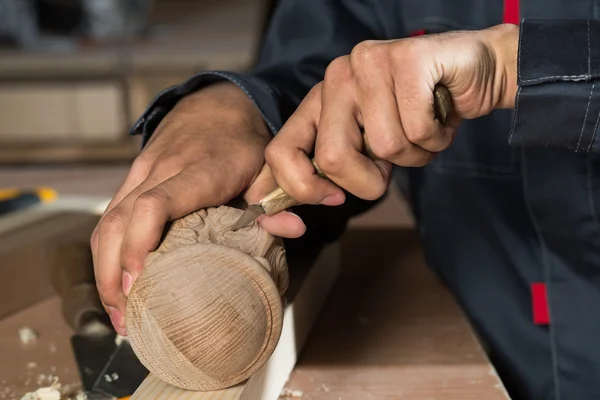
262 95
558 100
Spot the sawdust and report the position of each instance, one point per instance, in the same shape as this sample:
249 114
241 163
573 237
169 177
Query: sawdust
112 377
290 394
47 386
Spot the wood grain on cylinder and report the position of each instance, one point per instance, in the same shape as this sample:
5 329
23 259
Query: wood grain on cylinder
207 310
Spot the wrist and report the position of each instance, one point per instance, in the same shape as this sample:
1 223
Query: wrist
504 42
222 103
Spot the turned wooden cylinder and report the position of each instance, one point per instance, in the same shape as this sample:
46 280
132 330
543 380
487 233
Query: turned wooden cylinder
207 311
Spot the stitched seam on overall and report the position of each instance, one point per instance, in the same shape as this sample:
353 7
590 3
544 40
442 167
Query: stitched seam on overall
544 249
512 131
519 47
578 77
585 117
594 132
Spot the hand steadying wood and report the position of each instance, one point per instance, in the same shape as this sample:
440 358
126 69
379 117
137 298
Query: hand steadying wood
207 310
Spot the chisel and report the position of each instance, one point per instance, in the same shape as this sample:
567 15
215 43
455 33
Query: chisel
278 200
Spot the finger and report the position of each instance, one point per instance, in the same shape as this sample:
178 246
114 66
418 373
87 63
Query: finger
415 100
339 144
287 157
284 224
188 191
137 174
376 97
108 270
107 267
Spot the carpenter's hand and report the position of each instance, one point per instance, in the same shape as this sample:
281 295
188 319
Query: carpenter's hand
386 88
205 152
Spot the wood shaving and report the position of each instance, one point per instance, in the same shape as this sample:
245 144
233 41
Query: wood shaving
119 339
45 393
27 335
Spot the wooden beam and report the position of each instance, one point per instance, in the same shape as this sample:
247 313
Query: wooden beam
307 295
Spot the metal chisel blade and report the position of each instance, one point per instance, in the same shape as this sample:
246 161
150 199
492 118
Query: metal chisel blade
92 353
252 212
123 373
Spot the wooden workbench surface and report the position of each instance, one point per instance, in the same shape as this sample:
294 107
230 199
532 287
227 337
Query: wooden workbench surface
389 331
392 331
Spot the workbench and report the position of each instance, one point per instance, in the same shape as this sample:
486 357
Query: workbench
390 329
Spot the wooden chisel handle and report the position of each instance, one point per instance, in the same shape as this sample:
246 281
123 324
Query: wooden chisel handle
278 200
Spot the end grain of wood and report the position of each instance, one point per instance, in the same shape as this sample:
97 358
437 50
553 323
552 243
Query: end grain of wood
207 311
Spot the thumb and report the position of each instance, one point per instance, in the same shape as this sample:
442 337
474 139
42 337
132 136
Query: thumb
284 224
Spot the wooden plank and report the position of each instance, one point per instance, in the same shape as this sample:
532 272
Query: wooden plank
44 152
25 274
306 300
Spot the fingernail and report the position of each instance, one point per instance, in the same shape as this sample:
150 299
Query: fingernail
295 215
127 282
333 200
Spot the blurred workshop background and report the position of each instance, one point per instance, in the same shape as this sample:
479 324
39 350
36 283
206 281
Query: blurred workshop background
76 74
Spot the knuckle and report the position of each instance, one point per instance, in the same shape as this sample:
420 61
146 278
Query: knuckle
331 160
272 152
315 91
338 71
387 146
152 200
367 53
302 191
406 51
168 165
141 165
419 133
113 222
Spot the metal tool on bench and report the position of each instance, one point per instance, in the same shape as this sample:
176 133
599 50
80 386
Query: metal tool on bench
108 367
14 199
278 200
